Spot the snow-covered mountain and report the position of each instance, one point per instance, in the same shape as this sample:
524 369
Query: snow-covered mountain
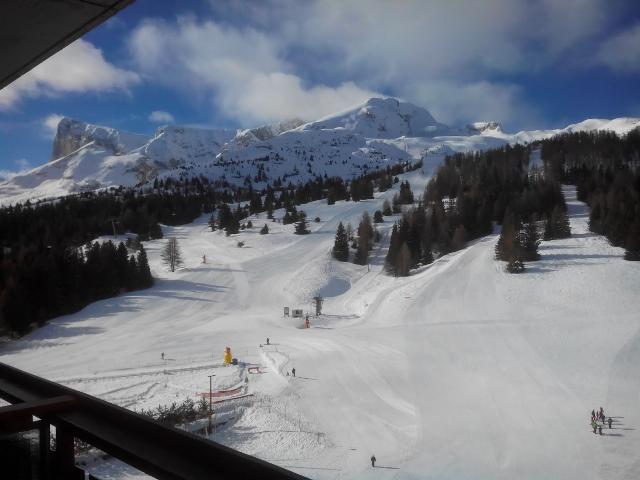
383 118
378 133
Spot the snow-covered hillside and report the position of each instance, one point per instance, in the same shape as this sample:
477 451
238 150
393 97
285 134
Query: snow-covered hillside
376 134
457 371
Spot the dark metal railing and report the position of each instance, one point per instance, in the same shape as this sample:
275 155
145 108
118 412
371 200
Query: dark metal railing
158 450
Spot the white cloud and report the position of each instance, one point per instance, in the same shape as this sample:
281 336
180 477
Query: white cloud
478 101
80 67
160 116
621 52
50 124
22 166
242 69
268 60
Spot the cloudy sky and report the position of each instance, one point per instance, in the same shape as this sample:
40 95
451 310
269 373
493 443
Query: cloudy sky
239 63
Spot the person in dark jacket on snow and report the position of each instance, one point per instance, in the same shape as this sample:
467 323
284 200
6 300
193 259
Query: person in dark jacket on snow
373 461
609 421
293 372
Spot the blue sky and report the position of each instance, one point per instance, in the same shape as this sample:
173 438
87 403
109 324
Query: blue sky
240 63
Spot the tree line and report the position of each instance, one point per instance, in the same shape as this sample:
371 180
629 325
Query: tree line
468 193
38 285
605 169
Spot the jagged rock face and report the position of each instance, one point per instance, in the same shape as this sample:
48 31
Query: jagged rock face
73 134
484 127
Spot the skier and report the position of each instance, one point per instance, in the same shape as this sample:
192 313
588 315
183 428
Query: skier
204 259
162 355
600 429
594 425
293 372
610 423
267 340
373 461
593 414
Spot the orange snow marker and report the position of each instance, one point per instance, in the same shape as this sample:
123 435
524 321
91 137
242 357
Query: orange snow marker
227 356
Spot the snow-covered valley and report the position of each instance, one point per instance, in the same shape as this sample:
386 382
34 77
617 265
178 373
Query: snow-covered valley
457 371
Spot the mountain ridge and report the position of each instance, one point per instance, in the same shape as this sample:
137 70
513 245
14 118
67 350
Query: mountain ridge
373 135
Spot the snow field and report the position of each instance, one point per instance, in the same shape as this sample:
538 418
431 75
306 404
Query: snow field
457 371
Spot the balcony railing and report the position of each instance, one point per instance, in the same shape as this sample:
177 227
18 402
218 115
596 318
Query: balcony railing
160 451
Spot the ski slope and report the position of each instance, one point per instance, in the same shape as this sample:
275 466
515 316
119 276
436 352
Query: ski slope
458 371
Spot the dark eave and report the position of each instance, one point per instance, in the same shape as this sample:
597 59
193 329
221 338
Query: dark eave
33 30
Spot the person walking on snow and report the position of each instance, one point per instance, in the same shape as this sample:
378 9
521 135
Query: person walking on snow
293 372
267 340
162 355
600 429
594 425
610 423
373 461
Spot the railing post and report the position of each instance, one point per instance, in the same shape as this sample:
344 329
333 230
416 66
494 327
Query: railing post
65 457
44 449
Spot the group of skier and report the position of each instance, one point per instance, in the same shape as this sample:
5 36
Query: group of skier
599 416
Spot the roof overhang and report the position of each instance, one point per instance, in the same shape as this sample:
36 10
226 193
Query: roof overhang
33 30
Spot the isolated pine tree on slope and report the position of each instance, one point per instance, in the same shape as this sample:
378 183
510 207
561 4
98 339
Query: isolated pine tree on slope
301 227
341 245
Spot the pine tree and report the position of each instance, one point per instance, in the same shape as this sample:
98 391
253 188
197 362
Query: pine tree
132 281
394 249
264 230
396 204
145 280
459 238
507 244
212 223
403 262
386 208
341 245
632 243
515 265
406 195
122 263
377 217
224 216
529 240
562 225
171 255
365 236
301 226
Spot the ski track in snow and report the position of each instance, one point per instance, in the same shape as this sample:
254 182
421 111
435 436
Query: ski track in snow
457 371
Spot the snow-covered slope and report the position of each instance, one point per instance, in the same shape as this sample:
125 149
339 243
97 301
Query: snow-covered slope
458 371
378 133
